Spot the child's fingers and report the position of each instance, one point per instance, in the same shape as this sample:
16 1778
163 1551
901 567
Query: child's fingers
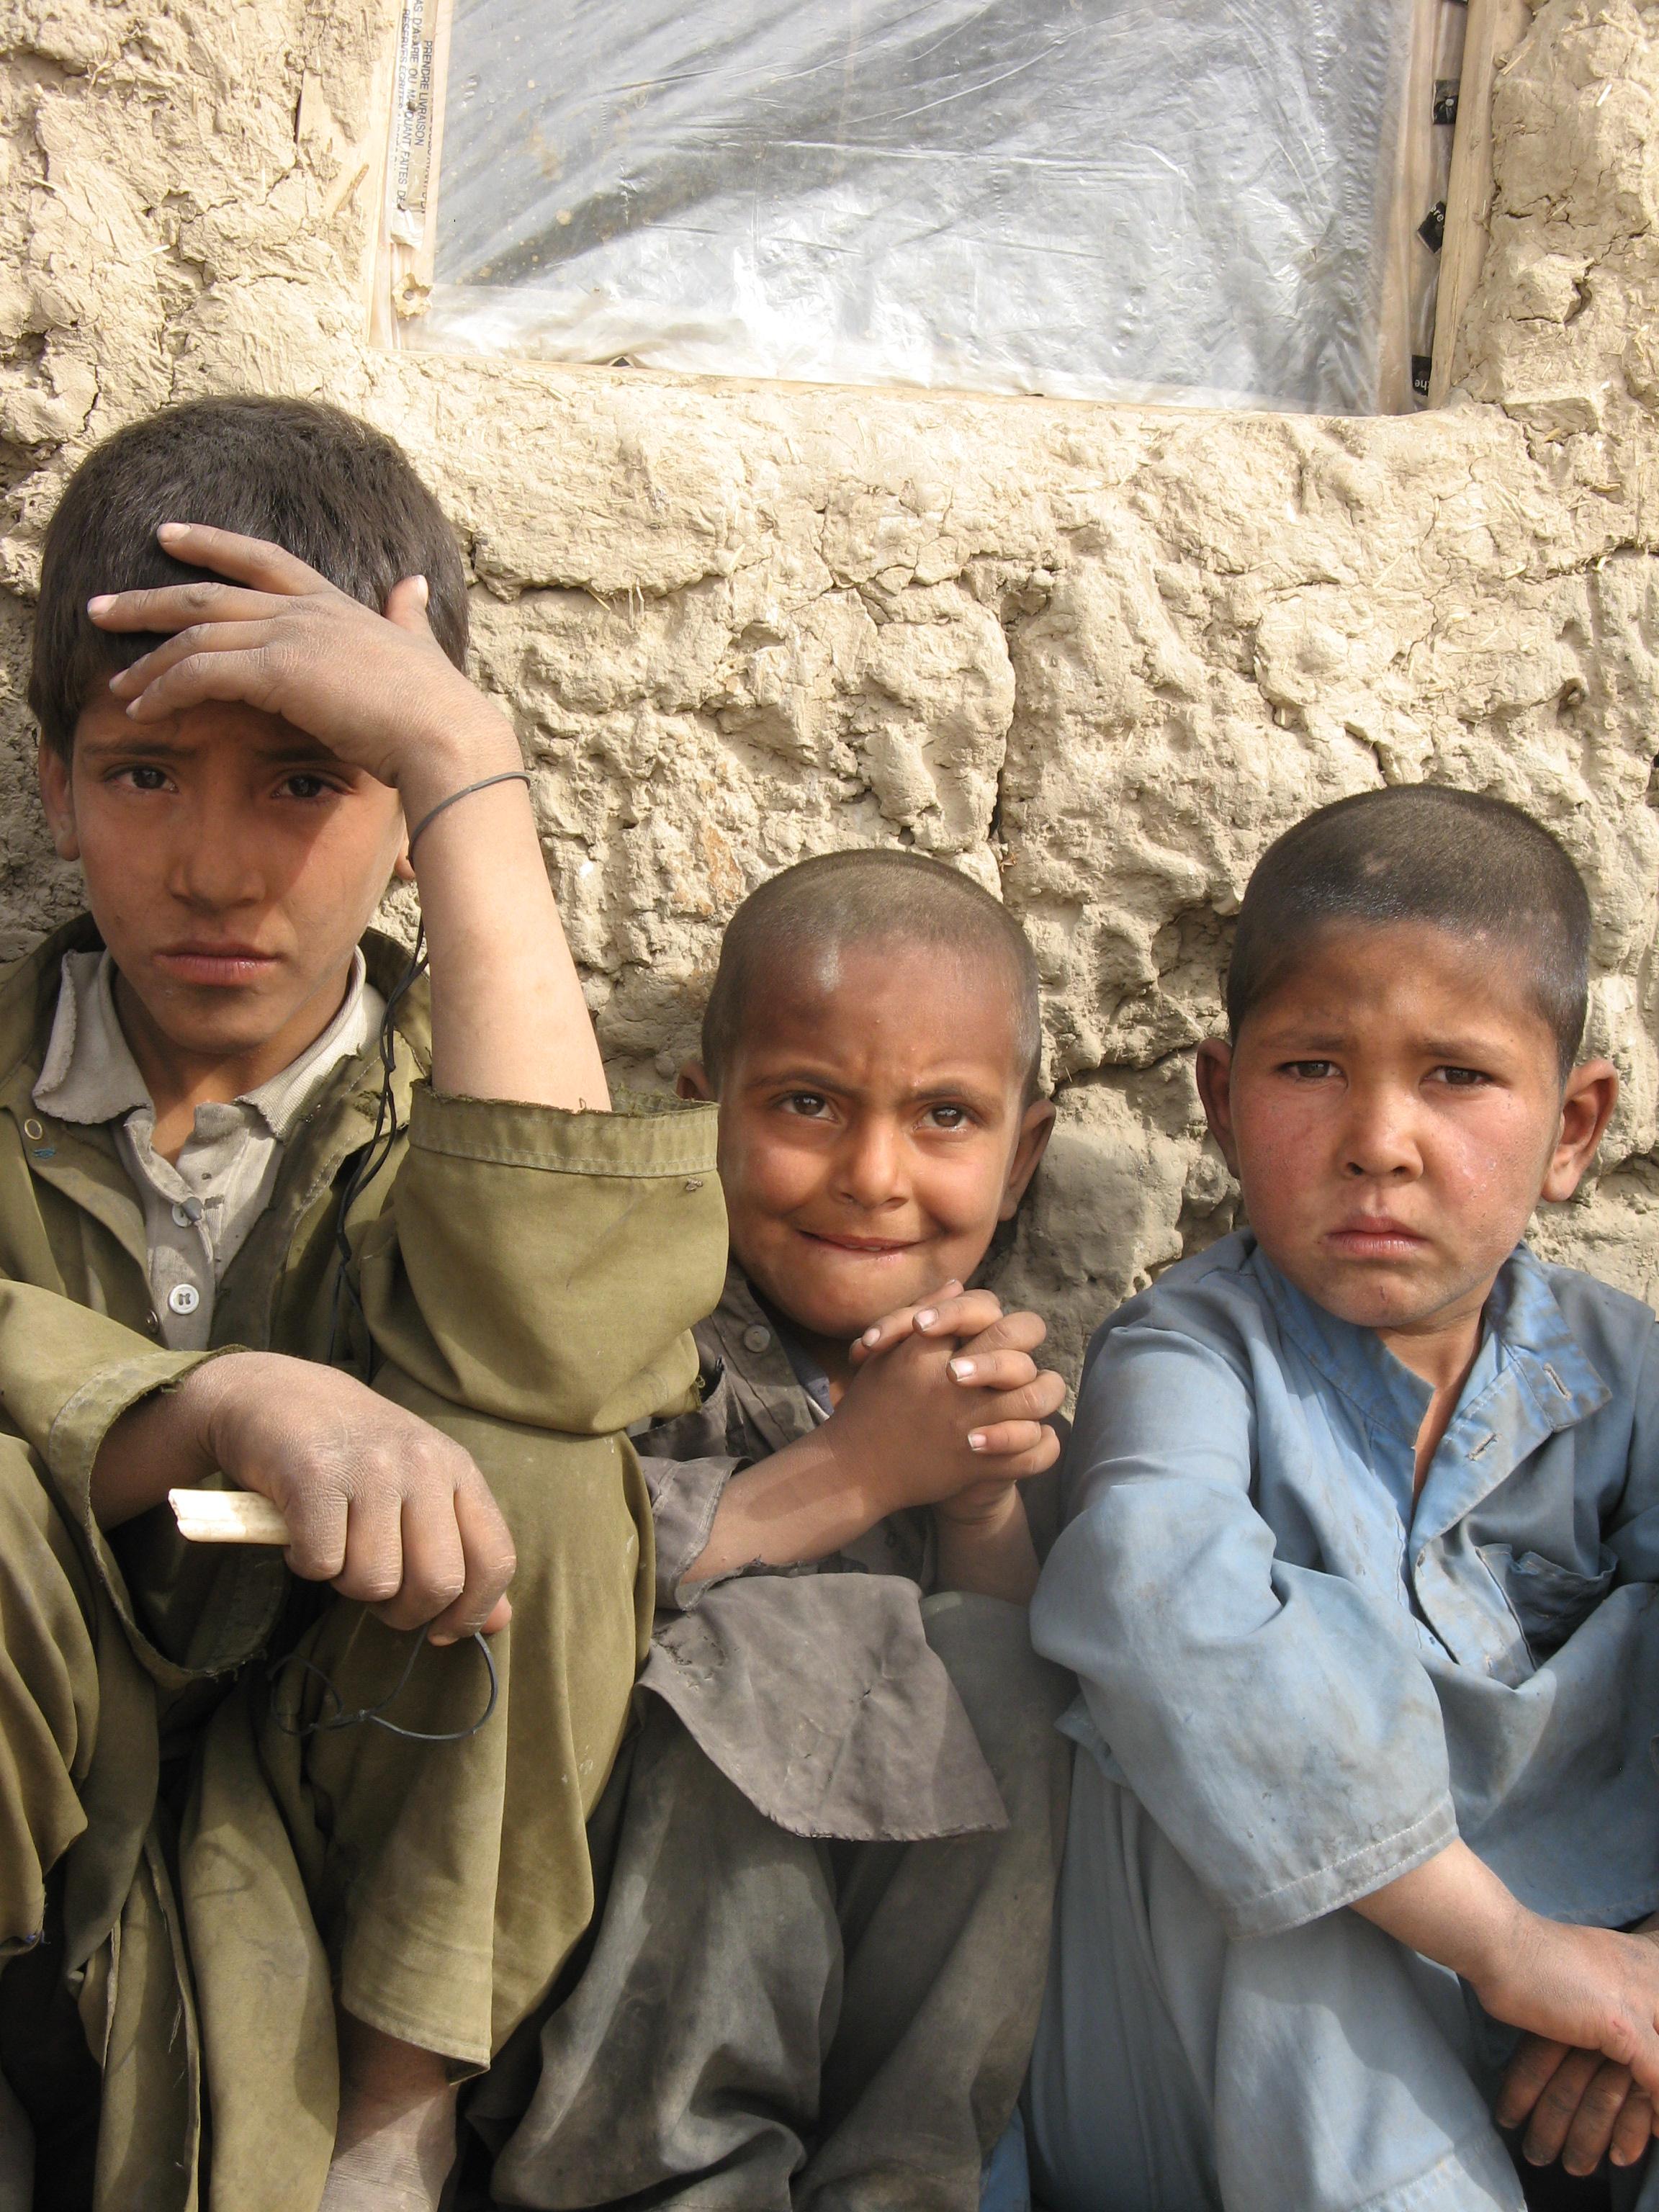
1601 2107
1019 1448
489 1563
1016 1332
372 1572
965 1313
133 682
254 560
1633 2129
892 1328
1558 2103
316 1524
1527 2076
1032 1401
995 1370
406 604
223 671
177 606
434 1564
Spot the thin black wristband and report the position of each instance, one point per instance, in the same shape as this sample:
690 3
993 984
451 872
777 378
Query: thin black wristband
507 775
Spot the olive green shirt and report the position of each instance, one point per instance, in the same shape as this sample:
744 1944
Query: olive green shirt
525 1276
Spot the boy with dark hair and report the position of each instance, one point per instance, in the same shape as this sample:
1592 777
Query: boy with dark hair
231 1123
1358 1579
830 1850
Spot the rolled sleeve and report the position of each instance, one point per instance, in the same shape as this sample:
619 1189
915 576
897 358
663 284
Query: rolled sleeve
686 1497
1280 1731
544 1267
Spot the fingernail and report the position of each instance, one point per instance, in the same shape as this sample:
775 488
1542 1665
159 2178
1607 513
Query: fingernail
871 1336
961 1368
172 528
100 603
977 1441
926 1317
426 589
441 1639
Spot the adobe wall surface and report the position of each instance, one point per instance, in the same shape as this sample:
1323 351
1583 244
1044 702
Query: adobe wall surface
1098 656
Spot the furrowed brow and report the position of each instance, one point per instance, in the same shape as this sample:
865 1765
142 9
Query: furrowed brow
126 747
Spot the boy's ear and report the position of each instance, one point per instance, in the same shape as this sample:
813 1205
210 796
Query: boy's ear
1214 1072
57 800
1034 1131
692 1081
1587 1105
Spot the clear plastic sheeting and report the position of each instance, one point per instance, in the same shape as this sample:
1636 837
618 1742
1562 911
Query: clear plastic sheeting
1129 200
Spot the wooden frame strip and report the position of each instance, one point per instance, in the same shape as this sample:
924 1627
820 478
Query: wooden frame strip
1495 29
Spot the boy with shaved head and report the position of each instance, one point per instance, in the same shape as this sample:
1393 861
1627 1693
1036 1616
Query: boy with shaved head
830 1850
1359 1581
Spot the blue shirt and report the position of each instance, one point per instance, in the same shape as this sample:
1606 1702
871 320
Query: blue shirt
1312 1681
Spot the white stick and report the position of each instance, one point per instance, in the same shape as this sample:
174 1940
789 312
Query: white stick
227 1516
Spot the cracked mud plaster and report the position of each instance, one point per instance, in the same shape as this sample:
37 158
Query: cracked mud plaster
1098 657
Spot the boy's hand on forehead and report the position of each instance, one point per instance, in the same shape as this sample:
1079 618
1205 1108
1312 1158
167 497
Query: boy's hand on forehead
377 690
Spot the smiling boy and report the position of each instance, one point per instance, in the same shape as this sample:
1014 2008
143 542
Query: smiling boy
247 672
830 1850
1358 1579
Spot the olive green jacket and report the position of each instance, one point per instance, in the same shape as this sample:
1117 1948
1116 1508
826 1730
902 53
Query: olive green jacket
521 1270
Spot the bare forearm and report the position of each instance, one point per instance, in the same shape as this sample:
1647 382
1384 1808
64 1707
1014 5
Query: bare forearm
791 1510
991 1555
1452 1909
509 1018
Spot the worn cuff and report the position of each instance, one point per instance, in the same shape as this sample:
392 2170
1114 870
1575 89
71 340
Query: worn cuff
224 1602
642 1135
545 1267
1343 1879
686 1497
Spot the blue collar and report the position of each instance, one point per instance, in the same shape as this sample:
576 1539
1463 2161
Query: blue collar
1530 1378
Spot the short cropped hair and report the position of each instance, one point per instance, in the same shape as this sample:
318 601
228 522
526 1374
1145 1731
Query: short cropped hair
839 900
1421 853
311 478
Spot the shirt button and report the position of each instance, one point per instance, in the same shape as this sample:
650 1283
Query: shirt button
187 1213
756 1339
152 1323
183 1298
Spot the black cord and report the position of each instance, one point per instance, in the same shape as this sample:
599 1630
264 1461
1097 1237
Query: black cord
373 1716
374 1157
386 1131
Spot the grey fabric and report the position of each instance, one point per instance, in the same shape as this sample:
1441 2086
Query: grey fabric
767 2021
1179 2070
1313 1679
198 1211
813 1690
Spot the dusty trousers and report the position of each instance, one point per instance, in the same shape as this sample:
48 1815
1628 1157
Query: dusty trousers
201 1939
1325 2068
766 2021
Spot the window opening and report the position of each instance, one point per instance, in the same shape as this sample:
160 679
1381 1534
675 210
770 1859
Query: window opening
1224 202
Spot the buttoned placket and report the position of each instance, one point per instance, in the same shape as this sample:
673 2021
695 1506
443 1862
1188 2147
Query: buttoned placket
1514 1400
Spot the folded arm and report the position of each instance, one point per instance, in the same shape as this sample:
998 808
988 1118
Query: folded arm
1271 1718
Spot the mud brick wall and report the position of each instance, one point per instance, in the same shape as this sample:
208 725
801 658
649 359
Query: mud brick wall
1096 656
